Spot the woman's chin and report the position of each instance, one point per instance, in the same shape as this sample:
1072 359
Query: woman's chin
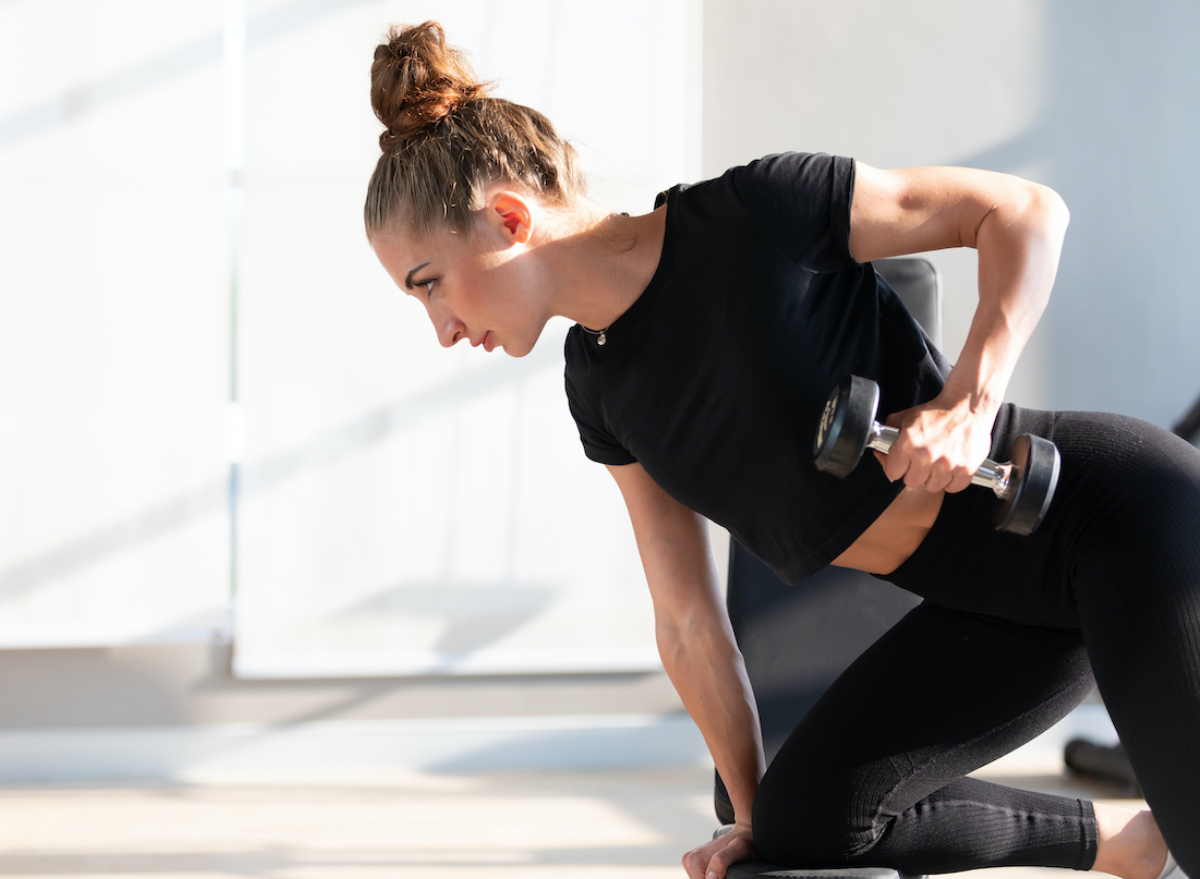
518 347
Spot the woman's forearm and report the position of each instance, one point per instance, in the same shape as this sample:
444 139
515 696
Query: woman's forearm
695 637
1019 243
706 667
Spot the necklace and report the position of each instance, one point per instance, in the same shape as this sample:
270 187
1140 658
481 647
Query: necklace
602 335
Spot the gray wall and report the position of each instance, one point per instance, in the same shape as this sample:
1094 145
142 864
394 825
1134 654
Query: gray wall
1100 100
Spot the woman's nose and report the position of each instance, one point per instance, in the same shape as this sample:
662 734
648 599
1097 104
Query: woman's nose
449 328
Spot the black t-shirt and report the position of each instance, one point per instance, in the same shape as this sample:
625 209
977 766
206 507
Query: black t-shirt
715 378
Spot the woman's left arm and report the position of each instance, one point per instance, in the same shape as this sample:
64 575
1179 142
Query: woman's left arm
1018 228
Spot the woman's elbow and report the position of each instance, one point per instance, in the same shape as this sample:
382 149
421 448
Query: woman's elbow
1050 209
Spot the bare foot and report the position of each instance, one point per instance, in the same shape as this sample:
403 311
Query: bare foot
1130 844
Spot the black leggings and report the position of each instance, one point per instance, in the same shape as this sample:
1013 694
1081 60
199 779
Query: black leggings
1005 645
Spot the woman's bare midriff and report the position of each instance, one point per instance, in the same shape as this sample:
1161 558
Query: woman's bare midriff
896 534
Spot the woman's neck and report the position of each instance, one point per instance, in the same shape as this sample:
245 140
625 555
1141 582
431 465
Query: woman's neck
605 268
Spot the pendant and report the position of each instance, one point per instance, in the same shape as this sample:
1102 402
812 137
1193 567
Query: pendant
602 338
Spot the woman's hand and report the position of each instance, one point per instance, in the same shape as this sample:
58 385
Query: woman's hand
711 860
941 443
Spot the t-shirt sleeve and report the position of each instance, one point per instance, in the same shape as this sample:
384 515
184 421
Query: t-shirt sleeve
598 443
802 202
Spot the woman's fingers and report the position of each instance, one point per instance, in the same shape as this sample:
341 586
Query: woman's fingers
712 860
935 449
695 862
739 849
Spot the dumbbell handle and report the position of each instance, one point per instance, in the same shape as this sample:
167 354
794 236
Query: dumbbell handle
997 477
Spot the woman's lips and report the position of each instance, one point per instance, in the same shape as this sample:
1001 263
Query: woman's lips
488 342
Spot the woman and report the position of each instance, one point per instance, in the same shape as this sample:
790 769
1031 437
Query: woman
709 334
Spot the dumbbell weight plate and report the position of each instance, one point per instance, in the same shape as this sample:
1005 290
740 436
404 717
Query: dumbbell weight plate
846 425
1038 462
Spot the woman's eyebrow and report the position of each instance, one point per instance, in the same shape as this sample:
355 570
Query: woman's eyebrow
408 281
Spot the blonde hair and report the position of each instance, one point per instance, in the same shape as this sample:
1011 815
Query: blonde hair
446 140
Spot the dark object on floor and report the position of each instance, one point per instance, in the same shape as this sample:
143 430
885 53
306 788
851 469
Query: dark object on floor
1106 762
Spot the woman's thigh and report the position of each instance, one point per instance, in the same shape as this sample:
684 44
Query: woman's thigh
941 694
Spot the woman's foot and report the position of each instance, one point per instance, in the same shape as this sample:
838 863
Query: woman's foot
1130 844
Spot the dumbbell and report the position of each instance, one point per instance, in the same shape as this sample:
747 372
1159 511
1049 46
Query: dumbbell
1024 485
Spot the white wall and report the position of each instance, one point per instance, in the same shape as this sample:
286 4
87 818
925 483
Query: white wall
210 386
1099 100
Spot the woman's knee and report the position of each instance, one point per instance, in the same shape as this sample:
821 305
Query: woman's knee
809 812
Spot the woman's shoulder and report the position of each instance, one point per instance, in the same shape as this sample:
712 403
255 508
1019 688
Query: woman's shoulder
778 185
792 171
801 202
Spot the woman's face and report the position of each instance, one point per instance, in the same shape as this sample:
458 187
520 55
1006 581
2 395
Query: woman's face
479 286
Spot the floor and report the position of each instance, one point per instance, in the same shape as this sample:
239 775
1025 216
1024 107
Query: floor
623 825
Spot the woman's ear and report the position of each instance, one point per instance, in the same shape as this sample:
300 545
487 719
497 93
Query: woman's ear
511 215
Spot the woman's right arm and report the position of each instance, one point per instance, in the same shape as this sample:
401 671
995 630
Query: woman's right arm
698 650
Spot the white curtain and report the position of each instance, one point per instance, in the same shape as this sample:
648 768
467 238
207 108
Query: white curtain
114 323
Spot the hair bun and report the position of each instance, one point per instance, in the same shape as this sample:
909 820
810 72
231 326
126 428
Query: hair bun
417 80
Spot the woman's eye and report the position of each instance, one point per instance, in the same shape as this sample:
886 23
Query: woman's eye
429 288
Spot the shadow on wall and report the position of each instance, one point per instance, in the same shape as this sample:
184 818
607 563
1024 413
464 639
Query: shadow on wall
474 615
162 686
1099 100
1121 115
321 451
260 29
